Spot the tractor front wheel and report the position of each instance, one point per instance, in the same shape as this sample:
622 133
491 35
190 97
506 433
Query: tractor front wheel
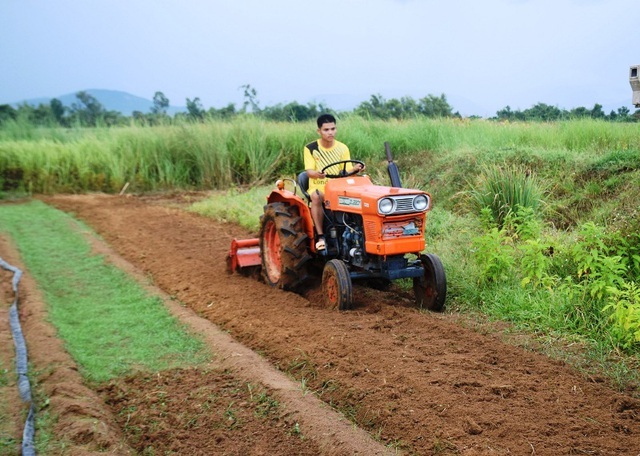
431 289
336 285
283 247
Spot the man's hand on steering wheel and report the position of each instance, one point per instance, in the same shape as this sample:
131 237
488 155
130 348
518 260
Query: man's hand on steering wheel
357 167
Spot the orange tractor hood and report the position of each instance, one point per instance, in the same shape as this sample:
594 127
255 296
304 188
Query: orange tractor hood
392 234
358 194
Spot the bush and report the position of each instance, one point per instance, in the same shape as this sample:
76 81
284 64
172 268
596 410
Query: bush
506 191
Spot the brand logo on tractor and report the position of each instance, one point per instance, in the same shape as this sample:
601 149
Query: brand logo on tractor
347 201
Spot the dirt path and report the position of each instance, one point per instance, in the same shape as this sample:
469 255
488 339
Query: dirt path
326 431
419 382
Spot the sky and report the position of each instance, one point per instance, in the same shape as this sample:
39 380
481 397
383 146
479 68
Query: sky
482 55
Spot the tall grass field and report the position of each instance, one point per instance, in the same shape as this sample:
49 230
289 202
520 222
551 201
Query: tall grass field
536 223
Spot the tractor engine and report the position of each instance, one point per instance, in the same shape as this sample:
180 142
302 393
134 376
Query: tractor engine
348 228
346 241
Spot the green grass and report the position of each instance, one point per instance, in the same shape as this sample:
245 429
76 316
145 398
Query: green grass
242 207
110 325
223 154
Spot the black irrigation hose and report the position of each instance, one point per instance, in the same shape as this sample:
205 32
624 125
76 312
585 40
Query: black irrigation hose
24 387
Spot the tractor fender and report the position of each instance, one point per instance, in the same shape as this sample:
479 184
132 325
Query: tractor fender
285 196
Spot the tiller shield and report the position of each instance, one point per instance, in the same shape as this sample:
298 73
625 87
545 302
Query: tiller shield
244 253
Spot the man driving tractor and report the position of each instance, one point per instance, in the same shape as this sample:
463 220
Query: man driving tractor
317 155
376 233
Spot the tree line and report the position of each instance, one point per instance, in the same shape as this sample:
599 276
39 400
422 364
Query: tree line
547 113
87 111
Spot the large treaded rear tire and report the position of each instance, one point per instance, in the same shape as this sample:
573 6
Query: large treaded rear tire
283 247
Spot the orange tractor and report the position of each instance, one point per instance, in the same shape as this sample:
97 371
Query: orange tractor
373 233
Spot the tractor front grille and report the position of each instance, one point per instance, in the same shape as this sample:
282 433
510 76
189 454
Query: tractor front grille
404 205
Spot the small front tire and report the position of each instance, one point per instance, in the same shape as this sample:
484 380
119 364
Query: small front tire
431 289
336 285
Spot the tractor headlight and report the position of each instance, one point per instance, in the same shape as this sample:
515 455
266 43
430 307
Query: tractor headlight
421 203
385 205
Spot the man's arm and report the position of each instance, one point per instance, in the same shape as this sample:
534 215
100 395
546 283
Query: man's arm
310 165
347 156
313 174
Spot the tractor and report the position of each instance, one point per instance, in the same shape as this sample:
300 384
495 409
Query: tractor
373 233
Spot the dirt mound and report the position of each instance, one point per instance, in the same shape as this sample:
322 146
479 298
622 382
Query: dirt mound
200 413
418 382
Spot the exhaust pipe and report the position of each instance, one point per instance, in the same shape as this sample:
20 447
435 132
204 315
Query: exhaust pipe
394 174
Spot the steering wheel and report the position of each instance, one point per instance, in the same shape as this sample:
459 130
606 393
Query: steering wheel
343 172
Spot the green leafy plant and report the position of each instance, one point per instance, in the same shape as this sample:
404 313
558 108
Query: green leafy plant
598 270
523 223
493 252
624 308
535 263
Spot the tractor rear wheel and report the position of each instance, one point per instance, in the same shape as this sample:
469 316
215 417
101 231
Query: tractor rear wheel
431 289
336 285
283 246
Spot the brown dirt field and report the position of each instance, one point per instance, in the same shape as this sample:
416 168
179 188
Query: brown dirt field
419 382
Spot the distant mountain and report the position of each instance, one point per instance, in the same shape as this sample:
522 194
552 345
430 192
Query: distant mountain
111 100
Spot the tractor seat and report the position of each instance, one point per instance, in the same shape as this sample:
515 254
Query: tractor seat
303 182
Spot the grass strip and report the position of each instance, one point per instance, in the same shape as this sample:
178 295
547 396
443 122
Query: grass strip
243 207
110 325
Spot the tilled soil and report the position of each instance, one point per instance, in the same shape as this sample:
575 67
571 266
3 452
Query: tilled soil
419 382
